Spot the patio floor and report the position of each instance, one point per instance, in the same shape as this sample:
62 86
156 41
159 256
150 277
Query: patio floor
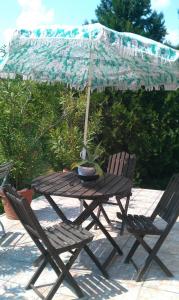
17 253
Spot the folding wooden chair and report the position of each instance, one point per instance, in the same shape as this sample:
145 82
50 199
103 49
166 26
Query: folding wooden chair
122 164
51 241
140 226
4 172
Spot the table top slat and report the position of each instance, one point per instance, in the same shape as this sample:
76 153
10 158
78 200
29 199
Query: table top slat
106 185
120 185
51 184
69 185
94 189
44 178
73 185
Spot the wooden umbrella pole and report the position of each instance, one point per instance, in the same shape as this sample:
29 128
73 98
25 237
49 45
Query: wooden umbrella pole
83 153
87 115
83 156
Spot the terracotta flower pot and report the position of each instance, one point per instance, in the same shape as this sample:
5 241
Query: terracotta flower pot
65 170
10 213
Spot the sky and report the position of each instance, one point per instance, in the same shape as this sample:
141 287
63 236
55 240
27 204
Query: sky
28 13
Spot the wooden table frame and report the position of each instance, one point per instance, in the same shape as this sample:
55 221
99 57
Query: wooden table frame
69 185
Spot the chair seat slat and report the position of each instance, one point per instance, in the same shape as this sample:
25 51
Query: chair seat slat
68 236
77 230
148 224
53 237
65 235
141 225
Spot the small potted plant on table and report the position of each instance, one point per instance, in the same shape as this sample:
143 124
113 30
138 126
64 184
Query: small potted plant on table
89 168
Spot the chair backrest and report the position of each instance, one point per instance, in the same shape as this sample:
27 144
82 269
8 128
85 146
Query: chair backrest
122 163
168 206
24 213
4 172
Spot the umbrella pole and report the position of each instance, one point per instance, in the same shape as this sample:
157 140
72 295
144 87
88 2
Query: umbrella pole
87 115
83 152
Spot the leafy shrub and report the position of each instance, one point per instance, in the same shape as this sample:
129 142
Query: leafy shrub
41 127
66 141
145 123
27 115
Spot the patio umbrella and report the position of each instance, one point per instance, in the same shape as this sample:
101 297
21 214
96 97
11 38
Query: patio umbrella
93 57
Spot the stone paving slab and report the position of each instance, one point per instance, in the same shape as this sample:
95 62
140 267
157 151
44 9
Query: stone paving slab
18 252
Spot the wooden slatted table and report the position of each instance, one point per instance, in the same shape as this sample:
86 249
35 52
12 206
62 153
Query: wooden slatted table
70 186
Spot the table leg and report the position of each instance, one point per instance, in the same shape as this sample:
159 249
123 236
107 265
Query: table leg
57 209
81 206
86 213
103 229
90 225
123 211
109 258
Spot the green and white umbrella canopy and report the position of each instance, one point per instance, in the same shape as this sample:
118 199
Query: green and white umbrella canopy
92 56
66 54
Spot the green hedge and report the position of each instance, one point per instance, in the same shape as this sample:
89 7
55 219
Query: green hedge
41 128
146 123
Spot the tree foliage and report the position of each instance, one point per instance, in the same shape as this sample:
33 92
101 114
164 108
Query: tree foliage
132 16
141 122
66 140
144 123
41 127
27 114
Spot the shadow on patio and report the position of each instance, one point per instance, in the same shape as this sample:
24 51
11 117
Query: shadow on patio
17 254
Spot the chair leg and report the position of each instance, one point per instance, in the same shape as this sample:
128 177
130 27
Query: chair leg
37 273
125 211
132 251
105 215
153 256
66 274
60 269
45 254
42 261
147 264
2 226
144 269
102 210
98 216
96 261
